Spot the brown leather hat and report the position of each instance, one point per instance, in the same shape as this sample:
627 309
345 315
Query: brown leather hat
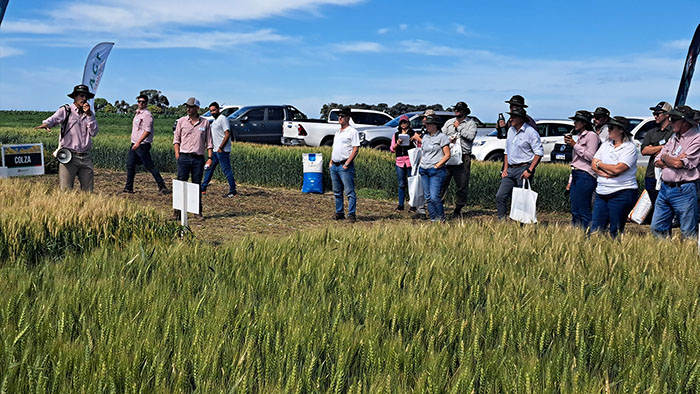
583 115
686 113
621 122
518 101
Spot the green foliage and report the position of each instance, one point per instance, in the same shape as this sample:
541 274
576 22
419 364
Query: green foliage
360 310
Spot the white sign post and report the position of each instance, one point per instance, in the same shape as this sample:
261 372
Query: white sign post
185 198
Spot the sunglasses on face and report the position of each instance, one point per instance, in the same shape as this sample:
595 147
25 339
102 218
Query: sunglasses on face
597 117
675 119
141 101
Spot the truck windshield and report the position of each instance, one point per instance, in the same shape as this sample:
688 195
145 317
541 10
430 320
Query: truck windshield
395 122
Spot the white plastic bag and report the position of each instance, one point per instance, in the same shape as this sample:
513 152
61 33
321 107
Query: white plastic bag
523 206
414 156
455 153
641 208
416 198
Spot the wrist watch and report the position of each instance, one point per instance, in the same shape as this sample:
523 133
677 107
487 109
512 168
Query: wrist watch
597 165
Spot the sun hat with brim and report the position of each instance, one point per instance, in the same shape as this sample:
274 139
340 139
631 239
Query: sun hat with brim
686 113
601 111
430 119
81 89
518 101
621 122
429 112
519 112
583 115
663 107
462 107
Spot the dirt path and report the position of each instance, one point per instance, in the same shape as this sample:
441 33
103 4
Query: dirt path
272 211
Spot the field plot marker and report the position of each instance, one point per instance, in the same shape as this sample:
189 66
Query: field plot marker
186 199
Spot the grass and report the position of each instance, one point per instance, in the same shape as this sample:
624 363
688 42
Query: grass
472 307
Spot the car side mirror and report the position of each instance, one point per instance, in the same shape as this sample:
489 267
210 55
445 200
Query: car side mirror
244 119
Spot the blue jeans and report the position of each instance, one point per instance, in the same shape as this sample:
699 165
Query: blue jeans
681 201
612 210
225 160
432 179
344 181
582 187
402 175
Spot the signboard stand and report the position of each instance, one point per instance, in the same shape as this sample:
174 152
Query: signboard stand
22 159
185 198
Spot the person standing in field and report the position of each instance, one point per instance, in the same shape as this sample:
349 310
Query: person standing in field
78 126
679 159
523 153
463 129
583 178
346 145
221 137
436 151
654 141
601 117
401 142
615 163
140 152
192 137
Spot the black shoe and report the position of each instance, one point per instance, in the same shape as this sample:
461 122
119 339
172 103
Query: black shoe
163 190
457 214
129 191
399 208
229 195
339 216
412 209
419 216
352 218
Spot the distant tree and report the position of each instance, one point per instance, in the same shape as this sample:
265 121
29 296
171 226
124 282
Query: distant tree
100 103
156 97
154 109
109 109
121 106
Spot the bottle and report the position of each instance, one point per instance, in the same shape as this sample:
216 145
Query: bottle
502 131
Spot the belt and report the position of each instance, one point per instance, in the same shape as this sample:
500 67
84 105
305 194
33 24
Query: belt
74 153
339 163
191 154
677 184
519 165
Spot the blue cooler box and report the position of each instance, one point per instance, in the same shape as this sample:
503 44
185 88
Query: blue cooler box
313 173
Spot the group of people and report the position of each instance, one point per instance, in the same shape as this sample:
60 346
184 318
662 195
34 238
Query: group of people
602 186
193 138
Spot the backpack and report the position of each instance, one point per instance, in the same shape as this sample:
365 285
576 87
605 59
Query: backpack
64 124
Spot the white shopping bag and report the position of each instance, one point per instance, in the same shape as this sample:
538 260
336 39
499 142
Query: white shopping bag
416 198
455 153
641 208
523 205
414 156
657 175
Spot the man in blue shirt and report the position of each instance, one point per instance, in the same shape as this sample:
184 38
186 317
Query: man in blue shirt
523 152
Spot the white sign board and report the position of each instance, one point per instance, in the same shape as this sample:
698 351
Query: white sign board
186 196
23 159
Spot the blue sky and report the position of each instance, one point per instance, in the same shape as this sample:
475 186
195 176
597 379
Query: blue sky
562 56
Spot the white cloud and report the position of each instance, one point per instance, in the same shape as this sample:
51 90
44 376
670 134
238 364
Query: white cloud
677 44
383 30
403 26
422 47
9 51
359 46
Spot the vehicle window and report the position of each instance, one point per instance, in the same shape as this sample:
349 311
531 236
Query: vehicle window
417 123
359 117
634 123
643 130
256 115
558 130
275 113
295 114
208 113
375 119
443 119
238 112
333 116
542 129
228 111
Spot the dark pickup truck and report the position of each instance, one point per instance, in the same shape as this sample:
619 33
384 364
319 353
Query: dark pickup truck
262 123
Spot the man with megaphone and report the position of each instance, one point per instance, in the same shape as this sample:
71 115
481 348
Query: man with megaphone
78 126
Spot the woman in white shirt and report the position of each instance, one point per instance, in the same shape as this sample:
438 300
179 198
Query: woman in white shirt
615 163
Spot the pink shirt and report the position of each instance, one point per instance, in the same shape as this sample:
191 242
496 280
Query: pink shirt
193 138
688 143
80 129
584 150
143 123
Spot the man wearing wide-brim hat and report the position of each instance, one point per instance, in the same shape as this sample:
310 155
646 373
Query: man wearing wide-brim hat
654 141
523 152
679 159
515 102
78 126
462 129
601 117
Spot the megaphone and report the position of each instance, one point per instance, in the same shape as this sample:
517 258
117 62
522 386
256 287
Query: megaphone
63 155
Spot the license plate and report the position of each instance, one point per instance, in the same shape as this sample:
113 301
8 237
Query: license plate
560 156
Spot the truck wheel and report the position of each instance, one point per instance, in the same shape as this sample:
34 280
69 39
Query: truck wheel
381 146
328 142
495 156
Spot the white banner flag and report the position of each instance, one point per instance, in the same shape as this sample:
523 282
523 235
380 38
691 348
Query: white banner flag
95 67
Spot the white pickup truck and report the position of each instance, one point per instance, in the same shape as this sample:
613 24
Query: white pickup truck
317 132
